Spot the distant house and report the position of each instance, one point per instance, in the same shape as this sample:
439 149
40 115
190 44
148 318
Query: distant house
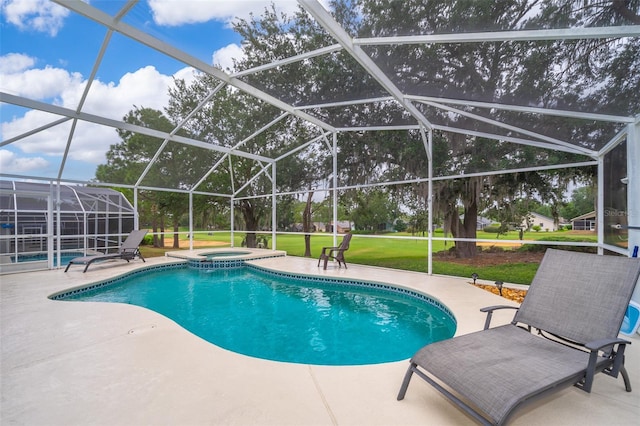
586 222
535 219
481 222
341 227
299 227
319 227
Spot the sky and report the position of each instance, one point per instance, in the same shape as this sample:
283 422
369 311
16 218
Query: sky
47 54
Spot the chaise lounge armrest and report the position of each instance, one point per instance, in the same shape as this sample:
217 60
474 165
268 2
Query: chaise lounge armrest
489 310
618 364
613 370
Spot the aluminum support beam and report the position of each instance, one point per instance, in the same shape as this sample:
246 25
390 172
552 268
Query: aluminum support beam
34 131
274 206
600 205
108 21
334 154
290 60
527 109
497 36
323 17
176 129
569 148
91 118
190 221
633 192
534 135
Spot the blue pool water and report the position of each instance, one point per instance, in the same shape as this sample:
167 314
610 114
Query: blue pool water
64 259
226 254
285 319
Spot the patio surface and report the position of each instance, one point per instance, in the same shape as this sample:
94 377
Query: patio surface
71 363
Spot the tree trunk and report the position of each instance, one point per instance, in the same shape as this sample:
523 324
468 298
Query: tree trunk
465 229
251 222
156 238
176 236
162 229
306 226
158 229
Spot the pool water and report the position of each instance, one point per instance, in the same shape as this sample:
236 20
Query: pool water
285 319
226 254
64 259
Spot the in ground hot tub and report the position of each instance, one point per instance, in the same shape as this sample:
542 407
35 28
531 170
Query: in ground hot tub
220 254
213 258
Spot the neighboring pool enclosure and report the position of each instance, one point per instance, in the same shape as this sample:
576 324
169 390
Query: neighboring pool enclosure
83 219
413 100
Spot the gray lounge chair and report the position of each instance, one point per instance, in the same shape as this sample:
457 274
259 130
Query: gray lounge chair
128 251
565 331
336 253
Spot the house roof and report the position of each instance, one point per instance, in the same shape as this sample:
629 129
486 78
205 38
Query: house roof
590 215
541 216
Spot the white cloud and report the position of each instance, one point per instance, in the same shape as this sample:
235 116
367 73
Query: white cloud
224 56
35 15
167 12
187 74
9 163
15 62
146 87
39 83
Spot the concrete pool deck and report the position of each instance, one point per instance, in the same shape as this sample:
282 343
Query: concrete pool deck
81 363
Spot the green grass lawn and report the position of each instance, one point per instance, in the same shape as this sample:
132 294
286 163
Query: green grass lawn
406 254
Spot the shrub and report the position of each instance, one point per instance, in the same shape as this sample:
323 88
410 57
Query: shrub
492 229
147 240
537 248
400 226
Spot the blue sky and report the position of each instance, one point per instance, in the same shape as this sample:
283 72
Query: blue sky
47 53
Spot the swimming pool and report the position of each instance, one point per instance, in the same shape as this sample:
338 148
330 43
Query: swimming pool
286 318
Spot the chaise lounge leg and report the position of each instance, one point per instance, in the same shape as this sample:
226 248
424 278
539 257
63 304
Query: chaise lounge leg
405 382
625 377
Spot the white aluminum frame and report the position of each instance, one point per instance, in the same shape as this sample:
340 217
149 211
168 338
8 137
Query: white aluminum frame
351 46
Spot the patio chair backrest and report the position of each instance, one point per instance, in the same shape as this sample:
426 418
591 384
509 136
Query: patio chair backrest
133 240
578 296
344 245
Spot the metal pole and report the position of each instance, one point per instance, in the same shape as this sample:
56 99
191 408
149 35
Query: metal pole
191 221
430 201
136 216
274 218
633 193
232 221
633 185
50 234
334 152
600 204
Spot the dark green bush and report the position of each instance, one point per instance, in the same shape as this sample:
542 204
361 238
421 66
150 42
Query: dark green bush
147 240
535 248
492 229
